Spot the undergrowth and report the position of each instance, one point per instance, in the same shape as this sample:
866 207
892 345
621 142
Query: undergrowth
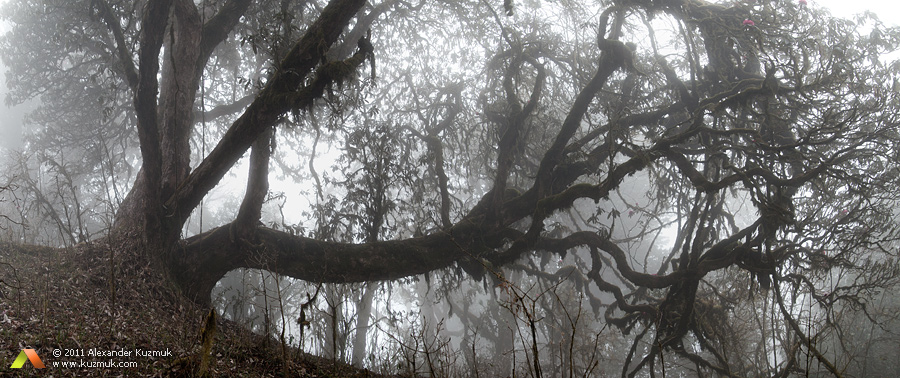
97 296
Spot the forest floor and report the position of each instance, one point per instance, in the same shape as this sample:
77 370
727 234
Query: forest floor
70 304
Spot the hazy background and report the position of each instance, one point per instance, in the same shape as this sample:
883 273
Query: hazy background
11 118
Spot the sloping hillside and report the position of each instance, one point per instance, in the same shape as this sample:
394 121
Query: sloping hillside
92 310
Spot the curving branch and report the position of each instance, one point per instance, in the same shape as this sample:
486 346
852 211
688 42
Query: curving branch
250 211
512 128
554 154
224 109
219 26
799 332
433 142
282 93
206 258
129 71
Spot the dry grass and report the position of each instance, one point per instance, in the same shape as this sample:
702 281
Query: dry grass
75 299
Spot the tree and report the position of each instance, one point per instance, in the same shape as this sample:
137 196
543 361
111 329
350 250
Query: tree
764 150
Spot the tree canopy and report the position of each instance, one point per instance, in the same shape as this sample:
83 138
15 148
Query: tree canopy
674 160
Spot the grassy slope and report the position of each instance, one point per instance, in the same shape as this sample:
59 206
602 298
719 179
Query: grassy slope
64 299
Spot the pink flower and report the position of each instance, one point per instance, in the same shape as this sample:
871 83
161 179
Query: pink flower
749 22
802 3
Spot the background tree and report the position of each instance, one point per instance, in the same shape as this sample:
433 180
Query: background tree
681 163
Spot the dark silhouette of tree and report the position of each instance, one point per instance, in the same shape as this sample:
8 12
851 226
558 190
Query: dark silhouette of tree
761 154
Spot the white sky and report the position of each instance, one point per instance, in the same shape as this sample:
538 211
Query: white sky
887 11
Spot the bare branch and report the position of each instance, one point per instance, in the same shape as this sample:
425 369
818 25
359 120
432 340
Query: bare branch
122 52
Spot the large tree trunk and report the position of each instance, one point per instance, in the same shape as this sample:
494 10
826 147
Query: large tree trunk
167 190
363 314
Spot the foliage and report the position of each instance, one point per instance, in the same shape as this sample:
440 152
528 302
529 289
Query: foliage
666 169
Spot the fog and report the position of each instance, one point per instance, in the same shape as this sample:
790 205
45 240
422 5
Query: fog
474 188
12 117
